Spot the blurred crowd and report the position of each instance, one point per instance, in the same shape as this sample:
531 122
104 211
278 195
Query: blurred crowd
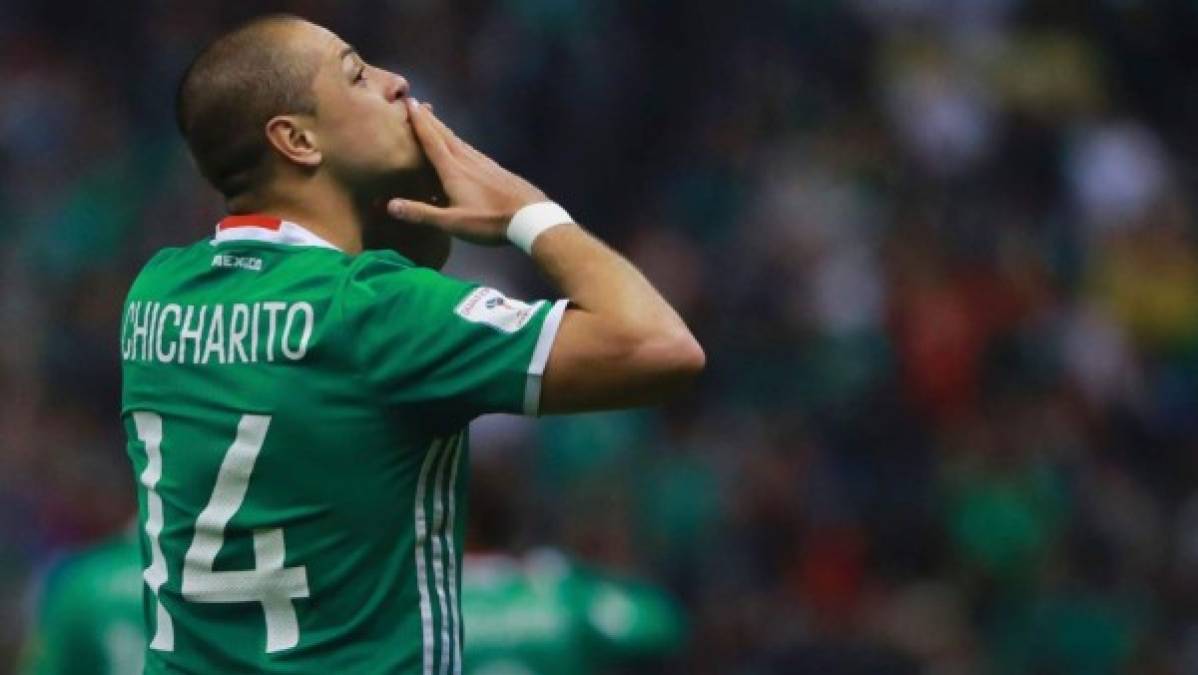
941 255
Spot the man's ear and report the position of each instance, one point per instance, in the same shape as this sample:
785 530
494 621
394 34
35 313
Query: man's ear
293 140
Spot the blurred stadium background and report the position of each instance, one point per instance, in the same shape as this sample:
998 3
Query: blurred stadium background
941 254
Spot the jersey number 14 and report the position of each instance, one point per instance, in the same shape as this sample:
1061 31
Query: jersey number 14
268 582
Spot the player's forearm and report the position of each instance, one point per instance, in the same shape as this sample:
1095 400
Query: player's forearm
601 282
623 345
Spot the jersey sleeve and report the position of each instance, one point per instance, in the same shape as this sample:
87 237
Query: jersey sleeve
424 339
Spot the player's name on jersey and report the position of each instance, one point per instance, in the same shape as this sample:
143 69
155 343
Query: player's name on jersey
216 334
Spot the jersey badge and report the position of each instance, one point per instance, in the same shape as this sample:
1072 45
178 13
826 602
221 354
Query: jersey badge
490 307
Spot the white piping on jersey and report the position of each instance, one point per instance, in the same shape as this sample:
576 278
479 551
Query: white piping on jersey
288 233
443 451
540 357
426 610
438 555
454 607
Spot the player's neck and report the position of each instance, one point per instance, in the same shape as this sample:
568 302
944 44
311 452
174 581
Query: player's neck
329 213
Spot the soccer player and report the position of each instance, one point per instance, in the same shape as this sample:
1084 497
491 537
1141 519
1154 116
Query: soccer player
90 613
542 613
297 407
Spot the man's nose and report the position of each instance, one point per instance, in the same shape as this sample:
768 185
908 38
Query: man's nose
397 87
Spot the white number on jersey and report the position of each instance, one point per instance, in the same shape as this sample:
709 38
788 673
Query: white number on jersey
268 582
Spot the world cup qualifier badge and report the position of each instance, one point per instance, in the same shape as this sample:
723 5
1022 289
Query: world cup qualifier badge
489 306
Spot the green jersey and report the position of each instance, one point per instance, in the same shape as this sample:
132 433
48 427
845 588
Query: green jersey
543 616
89 615
297 425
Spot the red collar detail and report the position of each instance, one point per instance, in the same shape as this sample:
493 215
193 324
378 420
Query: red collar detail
250 220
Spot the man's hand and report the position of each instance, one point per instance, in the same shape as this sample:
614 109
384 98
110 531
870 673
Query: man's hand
619 343
483 196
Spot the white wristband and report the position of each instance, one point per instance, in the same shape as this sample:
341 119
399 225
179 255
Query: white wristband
530 221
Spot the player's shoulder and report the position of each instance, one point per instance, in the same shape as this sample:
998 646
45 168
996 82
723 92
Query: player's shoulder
151 269
386 272
170 257
163 256
373 264
161 267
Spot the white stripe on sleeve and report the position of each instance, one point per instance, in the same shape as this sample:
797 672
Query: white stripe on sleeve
540 356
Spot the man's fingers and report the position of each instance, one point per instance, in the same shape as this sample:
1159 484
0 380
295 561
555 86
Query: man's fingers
431 138
419 212
436 122
456 145
453 143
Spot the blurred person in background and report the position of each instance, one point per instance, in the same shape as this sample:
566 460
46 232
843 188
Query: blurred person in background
90 613
539 611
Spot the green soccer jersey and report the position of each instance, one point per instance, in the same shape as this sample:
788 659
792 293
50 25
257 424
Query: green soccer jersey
89 615
297 426
543 615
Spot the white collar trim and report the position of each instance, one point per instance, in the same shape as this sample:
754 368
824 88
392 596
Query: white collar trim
288 233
